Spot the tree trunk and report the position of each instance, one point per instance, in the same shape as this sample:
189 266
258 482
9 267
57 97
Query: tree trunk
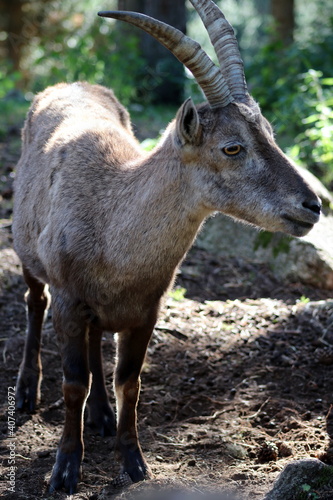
134 5
21 26
12 22
163 76
283 12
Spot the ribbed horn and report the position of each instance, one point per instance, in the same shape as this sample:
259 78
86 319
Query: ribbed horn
189 52
225 44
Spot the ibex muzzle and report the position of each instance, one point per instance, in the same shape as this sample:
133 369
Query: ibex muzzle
105 225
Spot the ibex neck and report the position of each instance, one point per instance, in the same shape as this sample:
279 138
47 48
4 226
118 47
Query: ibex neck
158 211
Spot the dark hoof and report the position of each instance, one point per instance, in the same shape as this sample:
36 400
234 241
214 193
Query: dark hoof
136 467
27 391
139 473
66 472
102 419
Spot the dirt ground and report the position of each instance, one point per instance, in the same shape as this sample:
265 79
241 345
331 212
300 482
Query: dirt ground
237 382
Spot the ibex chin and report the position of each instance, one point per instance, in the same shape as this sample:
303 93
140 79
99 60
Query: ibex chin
105 224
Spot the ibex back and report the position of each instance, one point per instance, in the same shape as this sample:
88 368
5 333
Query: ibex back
105 225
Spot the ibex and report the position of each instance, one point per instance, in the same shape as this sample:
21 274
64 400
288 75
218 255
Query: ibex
105 224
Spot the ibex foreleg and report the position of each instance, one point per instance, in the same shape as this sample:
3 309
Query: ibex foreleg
131 351
72 332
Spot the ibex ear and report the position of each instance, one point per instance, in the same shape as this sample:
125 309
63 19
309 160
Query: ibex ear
187 123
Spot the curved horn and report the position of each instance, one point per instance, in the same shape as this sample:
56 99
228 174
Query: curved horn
189 52
225 44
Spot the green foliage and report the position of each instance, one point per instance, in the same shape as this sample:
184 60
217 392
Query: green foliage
13 108
263 239
149 144
304 300
279 243
151 121
93 53
314 144
8 81
312 489
308 493
8 106
294 86
178 294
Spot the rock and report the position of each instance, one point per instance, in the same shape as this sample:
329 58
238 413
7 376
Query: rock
235 451
173 494
301 478
308 259
43 453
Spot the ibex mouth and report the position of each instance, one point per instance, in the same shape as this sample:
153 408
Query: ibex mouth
306 225
298 227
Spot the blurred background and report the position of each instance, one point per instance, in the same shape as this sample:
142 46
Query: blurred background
287 47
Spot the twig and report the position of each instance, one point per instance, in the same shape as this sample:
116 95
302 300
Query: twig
56 404
206 418
48 351
21 456
258 411
174 333
170 440
329 412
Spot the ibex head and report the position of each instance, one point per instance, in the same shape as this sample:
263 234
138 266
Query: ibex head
227 144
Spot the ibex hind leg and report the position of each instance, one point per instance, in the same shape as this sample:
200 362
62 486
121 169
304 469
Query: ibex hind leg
100 413
30 374
131 351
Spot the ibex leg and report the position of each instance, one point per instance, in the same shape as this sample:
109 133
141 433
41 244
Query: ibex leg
30 374
100 413
131 350
70 325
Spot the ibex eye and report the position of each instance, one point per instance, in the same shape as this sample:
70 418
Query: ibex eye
232 150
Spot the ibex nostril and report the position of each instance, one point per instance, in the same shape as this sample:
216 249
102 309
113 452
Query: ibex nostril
313 205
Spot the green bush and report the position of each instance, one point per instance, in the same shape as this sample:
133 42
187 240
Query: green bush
90 53
8 81
314 144
294 87
13 105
